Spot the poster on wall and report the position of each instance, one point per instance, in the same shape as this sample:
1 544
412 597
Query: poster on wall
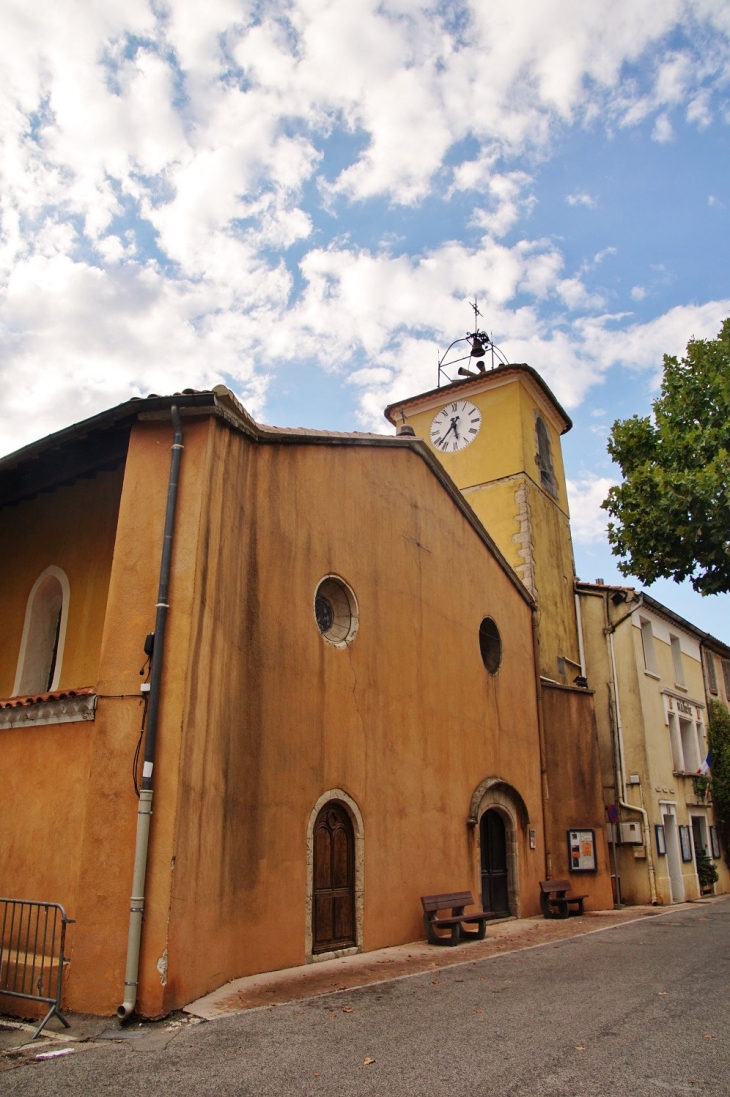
715 843
685 840
661 840
582 850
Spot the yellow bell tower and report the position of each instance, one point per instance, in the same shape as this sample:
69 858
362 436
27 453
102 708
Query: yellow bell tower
497 434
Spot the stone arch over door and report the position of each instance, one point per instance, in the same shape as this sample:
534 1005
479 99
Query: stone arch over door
338 798
494 793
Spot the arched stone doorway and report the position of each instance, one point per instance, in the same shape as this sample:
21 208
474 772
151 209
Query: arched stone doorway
335 866
499 816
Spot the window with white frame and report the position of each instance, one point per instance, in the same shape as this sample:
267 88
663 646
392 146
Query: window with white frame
647 643
44 633
677 661
676 744
701 743
690 753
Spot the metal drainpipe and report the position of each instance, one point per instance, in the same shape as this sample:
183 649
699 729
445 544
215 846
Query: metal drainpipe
621 766
144 811
581 644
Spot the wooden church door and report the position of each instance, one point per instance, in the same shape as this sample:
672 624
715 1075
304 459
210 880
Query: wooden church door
334 880
493 841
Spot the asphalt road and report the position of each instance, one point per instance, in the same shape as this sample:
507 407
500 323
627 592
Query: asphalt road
633 1011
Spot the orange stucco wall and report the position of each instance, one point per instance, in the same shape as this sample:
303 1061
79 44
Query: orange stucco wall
406 720
575 793
44 770
72 527
260 717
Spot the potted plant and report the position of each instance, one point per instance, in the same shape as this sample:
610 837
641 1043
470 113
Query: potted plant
706 872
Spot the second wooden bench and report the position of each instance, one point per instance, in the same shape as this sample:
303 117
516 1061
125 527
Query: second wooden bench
454 901
555 902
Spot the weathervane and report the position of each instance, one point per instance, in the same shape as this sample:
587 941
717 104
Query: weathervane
481 344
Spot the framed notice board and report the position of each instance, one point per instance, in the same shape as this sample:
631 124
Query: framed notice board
715 842
685 841
661 840
582 850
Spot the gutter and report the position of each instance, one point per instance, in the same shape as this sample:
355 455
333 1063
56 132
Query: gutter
144 811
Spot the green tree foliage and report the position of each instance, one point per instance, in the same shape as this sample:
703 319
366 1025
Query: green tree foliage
719 740
672 511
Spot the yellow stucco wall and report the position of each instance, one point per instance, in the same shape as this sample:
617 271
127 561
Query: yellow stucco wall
499 476
646 739
72 528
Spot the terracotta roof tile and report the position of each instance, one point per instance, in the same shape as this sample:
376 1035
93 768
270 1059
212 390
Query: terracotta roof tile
39 698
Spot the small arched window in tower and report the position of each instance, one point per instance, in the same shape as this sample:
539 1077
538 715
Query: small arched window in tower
545 457
41 649
490 645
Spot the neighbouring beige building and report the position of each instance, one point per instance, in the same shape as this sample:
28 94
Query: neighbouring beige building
645 664
716 663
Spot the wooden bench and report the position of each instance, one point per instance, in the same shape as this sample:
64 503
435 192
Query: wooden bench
454 901
555 902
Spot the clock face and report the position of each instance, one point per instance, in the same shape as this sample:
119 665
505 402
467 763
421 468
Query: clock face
455 426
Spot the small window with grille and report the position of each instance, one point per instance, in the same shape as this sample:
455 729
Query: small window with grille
336 611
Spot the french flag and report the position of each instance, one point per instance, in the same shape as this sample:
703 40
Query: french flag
706 765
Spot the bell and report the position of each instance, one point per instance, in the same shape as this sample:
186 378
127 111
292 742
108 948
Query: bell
477 348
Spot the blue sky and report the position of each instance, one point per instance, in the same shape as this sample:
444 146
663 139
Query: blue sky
299 199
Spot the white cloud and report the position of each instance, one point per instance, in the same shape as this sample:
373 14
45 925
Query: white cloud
663 130
509 205
575 295
158 165
638 293
587 521
581 198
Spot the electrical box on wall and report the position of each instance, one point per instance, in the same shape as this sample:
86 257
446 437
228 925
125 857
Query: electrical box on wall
631 834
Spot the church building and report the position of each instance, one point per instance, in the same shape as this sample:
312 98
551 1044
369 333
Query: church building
360 682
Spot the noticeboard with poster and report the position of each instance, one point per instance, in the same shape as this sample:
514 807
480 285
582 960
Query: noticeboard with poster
582 850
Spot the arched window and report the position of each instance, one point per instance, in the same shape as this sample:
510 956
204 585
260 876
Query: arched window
545 457
44 633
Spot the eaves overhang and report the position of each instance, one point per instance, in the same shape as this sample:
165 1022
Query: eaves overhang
660 610
17 484
477 382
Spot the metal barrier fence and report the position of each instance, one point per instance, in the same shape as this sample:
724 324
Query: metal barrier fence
32 960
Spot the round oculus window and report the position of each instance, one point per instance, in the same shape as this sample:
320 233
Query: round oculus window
335 611
490 645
